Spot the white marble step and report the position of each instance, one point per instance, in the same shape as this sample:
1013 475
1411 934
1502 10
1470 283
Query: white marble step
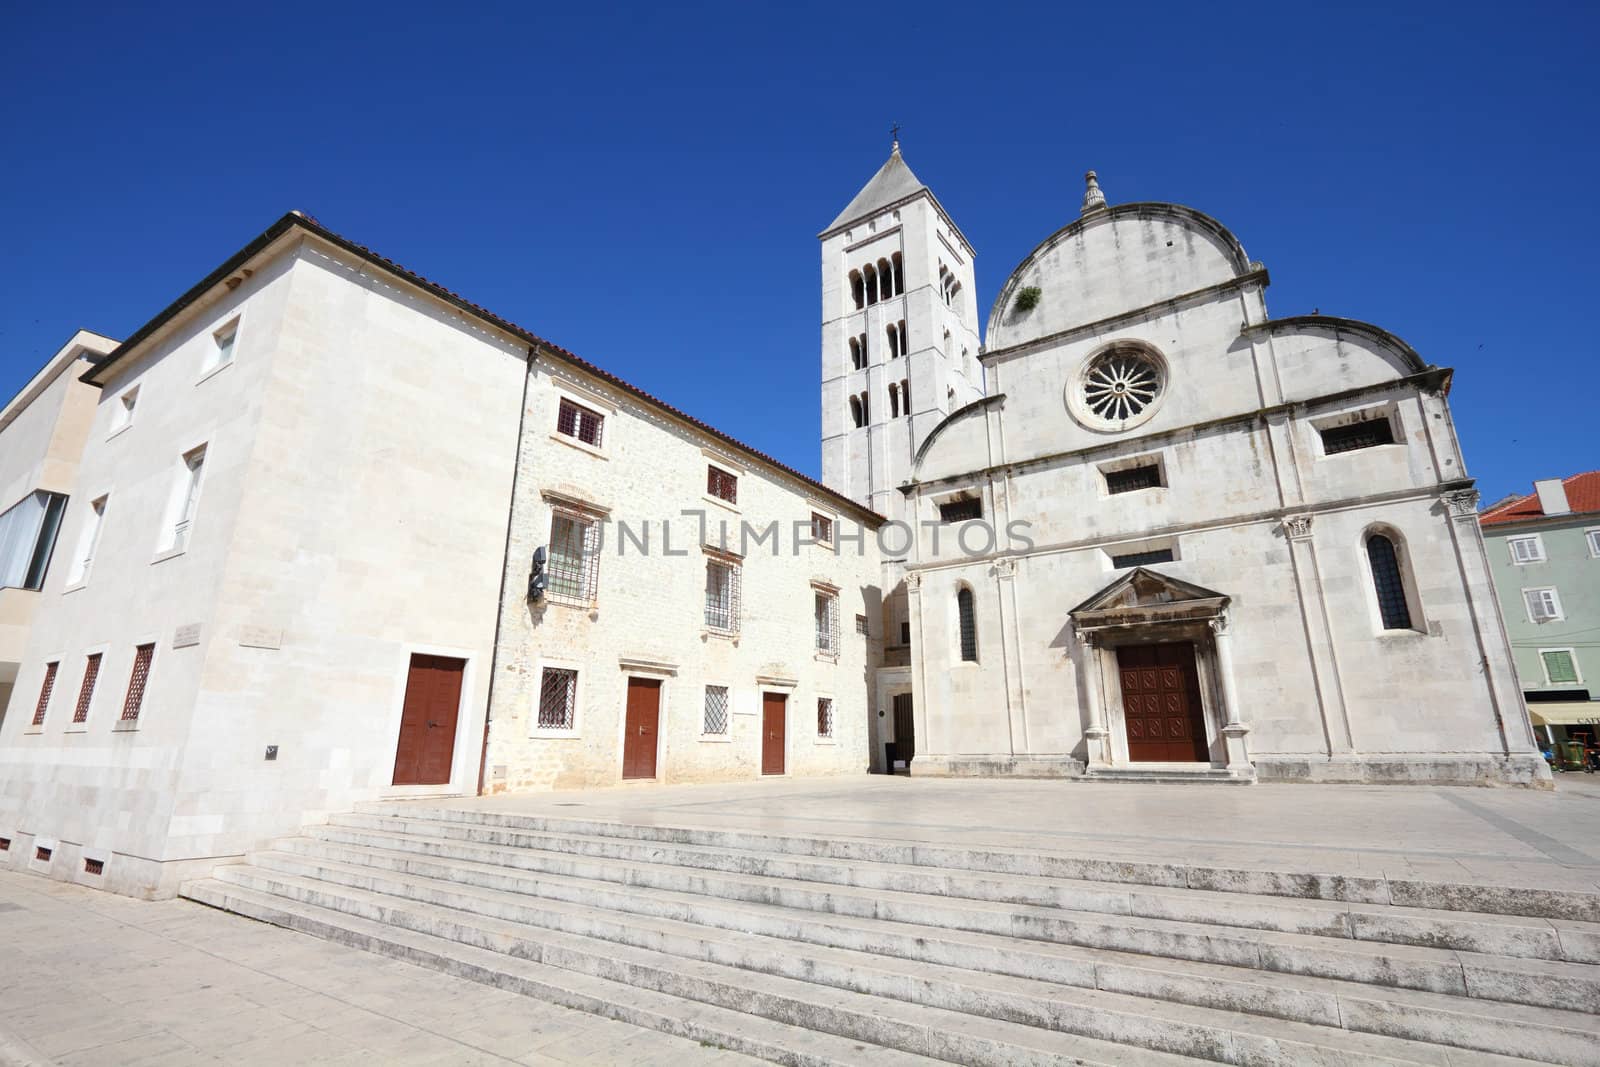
1485 898
995 1036
1526 981
782 1020
1558 1036
1532 938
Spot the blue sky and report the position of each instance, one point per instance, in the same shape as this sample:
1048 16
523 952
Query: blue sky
644 185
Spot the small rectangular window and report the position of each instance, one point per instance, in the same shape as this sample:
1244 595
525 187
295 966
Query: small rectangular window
575 420
45 690
821 528
5 844
961 510
827 619
88 541
1559 667
42 854
861 626
1543 604
1133 479
824 716
186 500
722 596
1594 543
716 715
94 866
91 673
905 633
574 557
1526 549
722 485
1365 434
136 682
558 699
1143 559
122 414
222 345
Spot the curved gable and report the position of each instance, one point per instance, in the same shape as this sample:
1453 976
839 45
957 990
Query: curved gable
958 444
1111 261
1320 354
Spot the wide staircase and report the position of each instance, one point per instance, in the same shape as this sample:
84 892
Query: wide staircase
814 951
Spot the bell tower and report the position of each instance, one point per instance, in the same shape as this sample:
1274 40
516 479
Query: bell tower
899 333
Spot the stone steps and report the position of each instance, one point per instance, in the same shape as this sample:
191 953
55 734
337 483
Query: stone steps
1479 975
1559 905
1532 938
992 960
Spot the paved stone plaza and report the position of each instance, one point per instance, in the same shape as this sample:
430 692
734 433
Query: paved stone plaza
95 978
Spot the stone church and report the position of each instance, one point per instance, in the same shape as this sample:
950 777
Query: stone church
1158 532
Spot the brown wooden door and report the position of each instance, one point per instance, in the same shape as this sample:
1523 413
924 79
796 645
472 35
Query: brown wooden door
774 708
428 721
905 740
1161 703
640 728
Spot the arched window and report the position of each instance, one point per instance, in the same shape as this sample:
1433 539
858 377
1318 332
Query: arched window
1388 583
905 341
894 401
905 396
855 411
885 279
967 625
866 410
855 353
858 289
899 275
894 341
871 277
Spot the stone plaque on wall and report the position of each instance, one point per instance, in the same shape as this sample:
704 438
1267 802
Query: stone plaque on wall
260 637
186 636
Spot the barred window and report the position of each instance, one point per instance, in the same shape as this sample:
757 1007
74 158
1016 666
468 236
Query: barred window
45 690
1387 583
821 528
824 716
968 625
1143 559
141 671
574 557
1133 479
961 510
575 420
91 671
861 626
722 595
558 699
827 616
1356 435
722 485
716 720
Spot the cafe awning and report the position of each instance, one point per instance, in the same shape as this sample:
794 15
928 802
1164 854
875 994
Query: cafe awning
1574 713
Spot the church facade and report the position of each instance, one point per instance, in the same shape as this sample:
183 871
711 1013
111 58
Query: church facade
1161 534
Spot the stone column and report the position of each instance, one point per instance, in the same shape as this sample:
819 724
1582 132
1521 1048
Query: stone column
1097 737
1319 636
1005 571
1233 727
919 660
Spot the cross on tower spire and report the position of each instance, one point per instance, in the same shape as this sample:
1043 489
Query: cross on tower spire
894 137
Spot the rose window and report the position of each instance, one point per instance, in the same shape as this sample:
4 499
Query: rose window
1120 385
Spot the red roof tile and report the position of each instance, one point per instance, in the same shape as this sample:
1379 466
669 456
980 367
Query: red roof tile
1583 495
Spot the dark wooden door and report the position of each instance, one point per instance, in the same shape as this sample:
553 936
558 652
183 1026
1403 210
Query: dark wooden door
774 708
1161 703
905 741
640 728
428 721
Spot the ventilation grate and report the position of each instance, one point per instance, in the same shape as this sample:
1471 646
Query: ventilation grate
94 866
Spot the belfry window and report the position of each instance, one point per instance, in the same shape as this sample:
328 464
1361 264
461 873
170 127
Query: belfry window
894 340
899 277
1388 583
855 412
858 289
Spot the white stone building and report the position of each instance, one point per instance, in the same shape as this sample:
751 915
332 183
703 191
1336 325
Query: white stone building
285 549
1176 536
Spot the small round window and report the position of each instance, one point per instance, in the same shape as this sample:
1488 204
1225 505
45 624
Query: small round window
1119 388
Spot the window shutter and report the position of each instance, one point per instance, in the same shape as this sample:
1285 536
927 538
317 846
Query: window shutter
1559 667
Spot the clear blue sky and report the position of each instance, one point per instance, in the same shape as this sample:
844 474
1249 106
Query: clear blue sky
644 185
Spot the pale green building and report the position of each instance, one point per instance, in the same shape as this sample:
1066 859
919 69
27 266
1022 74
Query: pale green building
1544 549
